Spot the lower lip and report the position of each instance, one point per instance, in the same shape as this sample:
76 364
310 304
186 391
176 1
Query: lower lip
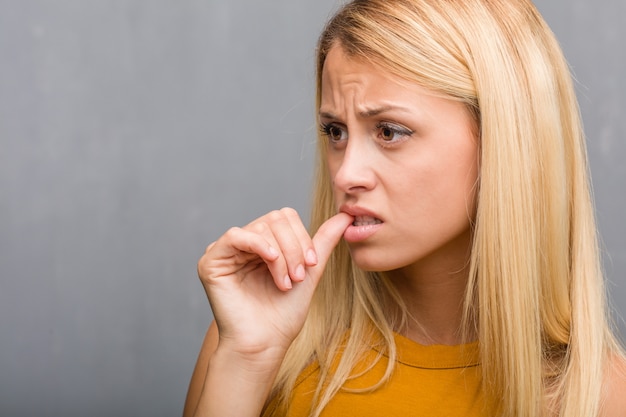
360 233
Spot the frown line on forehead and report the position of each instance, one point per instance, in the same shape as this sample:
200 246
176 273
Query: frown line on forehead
366 113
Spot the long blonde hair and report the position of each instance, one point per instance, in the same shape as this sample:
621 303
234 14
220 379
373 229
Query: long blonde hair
535 285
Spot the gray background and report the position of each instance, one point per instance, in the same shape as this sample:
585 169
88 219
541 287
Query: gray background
134 132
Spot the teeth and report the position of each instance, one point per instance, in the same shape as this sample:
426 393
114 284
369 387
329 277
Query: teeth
365 220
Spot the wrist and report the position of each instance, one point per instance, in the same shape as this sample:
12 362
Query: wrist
238 384
254 360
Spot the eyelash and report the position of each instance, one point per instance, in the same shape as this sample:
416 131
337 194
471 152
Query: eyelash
326 127
325 130
395 130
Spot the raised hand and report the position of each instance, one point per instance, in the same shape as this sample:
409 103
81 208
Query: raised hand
260 279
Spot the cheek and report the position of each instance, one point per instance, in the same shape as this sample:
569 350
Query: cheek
333 164
332 171
471 176
472 190
449 184
464 185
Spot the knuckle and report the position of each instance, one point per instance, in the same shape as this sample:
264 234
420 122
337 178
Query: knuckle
275 215
289 212
206 255
259 227
202 268
233 231
208 248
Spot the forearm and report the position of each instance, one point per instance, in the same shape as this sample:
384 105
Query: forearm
237 386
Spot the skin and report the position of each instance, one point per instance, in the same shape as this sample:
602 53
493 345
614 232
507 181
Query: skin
402 160
613 400
408 158
259 280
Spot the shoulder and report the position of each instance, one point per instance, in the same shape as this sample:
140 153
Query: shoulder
614 392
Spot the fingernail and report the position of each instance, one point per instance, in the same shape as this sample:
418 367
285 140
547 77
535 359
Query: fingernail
287 281
311 257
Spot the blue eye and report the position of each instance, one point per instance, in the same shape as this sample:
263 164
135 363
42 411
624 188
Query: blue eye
333 132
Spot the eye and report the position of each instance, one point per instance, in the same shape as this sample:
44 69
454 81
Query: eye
334 132
389 133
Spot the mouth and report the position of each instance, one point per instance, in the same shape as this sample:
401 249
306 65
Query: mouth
365 221
365 225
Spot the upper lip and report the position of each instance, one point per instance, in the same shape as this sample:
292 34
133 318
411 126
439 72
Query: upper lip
356 211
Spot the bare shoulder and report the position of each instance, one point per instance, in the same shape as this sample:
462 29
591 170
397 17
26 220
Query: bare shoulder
614 392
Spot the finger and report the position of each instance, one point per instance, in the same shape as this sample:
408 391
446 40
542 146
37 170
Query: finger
289 245
278 267
329 234
227 255
306 243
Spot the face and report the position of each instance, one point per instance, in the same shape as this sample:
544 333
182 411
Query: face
404 163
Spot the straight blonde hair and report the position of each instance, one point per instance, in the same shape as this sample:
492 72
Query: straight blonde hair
535 288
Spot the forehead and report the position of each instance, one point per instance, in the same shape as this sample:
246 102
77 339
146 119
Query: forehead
353 82
343 73
354 86
339 64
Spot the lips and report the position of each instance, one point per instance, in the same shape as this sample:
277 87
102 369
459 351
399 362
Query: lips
360 213
365 224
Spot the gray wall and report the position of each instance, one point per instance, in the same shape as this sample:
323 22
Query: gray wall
592 35
133 133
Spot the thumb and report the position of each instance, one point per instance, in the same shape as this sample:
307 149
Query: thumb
328 235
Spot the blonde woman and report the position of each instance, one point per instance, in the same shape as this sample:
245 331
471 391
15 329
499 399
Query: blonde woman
453 268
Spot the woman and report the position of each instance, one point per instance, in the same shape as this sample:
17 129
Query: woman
453 268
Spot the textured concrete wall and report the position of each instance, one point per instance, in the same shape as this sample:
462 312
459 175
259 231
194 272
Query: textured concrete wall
134 132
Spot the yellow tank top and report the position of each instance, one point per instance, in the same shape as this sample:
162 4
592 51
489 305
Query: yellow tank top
433 381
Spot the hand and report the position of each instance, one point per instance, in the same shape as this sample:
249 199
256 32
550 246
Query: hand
260 279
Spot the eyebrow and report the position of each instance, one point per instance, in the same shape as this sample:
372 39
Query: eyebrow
366 113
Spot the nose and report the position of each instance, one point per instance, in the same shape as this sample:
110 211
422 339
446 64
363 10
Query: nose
354 168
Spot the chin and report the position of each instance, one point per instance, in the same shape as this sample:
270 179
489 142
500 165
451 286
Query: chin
373 261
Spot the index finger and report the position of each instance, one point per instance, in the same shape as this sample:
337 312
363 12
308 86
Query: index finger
329 234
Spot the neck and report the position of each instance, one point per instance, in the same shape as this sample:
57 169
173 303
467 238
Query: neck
434 299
